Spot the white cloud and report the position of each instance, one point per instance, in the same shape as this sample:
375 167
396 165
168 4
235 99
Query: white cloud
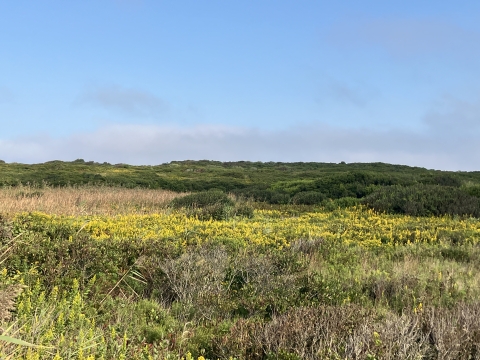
130 102
151 144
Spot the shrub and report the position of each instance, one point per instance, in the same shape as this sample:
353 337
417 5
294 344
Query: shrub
279 198
264 195
259 195
206 205
213 204
423 200
442 180
214 212
341 203
202 199
308 198
473 190
244 210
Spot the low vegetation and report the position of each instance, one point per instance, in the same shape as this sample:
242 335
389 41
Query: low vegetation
324 262
85 200
212 205
312 184
424 200
348 283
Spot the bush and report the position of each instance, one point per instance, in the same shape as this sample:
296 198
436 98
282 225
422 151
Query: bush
212 212
442 180
263 195
214 205
473 190
202 199
341 203
423 200
308 198
244 210
260 195
279 198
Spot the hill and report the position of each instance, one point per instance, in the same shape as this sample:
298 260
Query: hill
270 182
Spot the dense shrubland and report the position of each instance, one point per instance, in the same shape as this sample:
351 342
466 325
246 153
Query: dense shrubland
424 200
312 184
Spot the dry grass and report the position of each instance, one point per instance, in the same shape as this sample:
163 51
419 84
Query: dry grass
352 332
84 200
7 300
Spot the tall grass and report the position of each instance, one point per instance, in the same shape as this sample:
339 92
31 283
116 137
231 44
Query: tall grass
86 200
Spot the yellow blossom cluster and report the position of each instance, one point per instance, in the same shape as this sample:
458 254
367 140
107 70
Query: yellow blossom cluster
270 227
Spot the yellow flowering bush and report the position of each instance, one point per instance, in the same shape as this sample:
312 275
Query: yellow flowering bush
268 227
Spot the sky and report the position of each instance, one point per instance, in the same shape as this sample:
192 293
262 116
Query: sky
148 82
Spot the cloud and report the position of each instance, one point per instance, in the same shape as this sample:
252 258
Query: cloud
455 116
153 144
407 37
130 102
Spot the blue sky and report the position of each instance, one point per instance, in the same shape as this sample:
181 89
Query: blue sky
147 82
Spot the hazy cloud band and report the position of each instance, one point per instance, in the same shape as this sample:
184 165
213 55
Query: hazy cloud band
151 144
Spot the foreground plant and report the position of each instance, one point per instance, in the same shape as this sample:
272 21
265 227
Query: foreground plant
331 285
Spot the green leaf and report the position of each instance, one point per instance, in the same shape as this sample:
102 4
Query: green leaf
21 342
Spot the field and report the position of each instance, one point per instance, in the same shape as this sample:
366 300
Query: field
115 273
84 200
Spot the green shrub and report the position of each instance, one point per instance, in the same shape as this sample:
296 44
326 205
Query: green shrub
423 200
202 199
442 180
341 203
244 210
212 204
308 198
279 198
473 190
264 195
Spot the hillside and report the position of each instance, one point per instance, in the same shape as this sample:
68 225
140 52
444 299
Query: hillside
382 186
228 176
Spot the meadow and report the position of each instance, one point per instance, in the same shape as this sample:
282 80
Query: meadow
95 272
